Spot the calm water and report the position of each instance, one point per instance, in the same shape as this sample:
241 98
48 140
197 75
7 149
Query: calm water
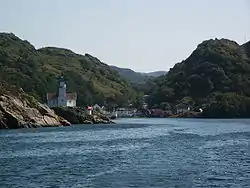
133 153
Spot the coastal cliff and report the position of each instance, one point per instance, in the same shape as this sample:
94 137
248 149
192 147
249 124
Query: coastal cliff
19 110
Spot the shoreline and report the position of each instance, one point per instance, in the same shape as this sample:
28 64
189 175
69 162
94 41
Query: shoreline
182 118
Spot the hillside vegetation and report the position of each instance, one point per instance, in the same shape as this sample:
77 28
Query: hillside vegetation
216 77
37 71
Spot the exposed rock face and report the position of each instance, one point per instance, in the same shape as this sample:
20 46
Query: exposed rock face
22 111
77 115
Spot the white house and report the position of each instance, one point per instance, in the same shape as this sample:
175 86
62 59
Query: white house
62 98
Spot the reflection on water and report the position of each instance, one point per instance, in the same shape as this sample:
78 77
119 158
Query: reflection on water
132 153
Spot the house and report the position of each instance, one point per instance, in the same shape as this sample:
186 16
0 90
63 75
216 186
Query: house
61 98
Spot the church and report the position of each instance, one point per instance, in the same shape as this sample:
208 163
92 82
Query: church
62 98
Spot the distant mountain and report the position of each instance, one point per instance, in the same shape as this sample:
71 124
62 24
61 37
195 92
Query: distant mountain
155 73
135 77
130 75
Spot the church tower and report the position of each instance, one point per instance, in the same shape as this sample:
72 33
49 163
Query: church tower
62 93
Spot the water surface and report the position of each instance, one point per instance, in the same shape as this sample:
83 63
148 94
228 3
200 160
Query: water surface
132 153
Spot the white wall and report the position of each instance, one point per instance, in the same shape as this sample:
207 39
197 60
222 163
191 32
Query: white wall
61 102
89 112
71 103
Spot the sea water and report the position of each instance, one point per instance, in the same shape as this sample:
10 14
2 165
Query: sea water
132 153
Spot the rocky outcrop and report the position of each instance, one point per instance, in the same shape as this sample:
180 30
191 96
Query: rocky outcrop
19 110
77 115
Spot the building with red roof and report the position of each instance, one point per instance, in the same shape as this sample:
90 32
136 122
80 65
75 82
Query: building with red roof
62 98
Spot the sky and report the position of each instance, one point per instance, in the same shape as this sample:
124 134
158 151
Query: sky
144 35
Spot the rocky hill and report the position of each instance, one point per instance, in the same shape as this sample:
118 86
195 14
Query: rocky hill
216 77
19 110
36 71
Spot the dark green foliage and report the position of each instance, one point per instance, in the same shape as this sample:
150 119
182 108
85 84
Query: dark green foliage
37 71
218 68
246 47
228 105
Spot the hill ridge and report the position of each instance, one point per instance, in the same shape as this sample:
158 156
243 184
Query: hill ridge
216 77
93 80
134 76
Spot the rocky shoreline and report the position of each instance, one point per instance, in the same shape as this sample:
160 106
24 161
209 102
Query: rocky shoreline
77 115
19 110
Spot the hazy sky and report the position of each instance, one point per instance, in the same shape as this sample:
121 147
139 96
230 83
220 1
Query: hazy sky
144 35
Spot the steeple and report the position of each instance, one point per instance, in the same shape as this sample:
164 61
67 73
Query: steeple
62 83
62 93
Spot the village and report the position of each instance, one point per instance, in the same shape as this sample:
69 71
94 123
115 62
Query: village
62 98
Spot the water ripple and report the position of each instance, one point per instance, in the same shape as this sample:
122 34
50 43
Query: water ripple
133 153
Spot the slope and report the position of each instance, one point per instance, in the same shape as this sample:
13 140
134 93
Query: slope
36 71
214 75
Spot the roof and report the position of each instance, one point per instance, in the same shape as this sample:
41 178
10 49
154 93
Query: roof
53 96
71 96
